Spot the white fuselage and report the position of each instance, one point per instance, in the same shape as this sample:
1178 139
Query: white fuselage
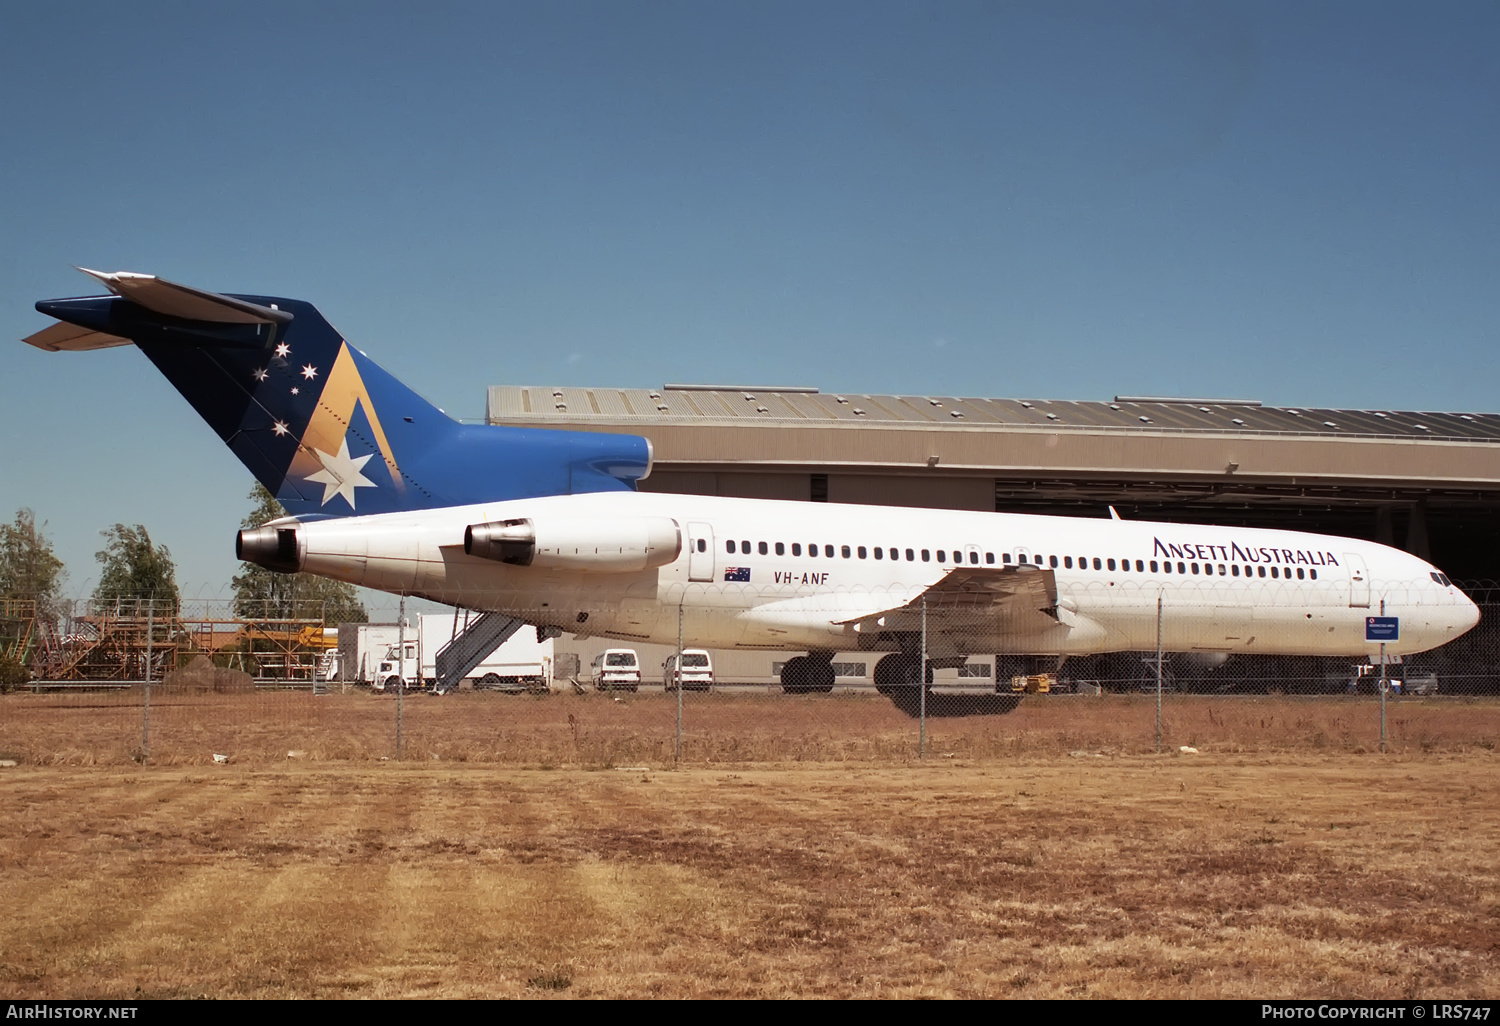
745 578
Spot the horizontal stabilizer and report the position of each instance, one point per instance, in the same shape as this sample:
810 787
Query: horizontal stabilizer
167 297
70 338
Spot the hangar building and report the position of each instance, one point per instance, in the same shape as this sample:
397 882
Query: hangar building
1426 481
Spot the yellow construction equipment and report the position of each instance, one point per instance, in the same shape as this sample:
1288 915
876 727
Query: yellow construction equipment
1035 684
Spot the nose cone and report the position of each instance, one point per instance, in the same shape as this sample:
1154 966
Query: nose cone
1468 614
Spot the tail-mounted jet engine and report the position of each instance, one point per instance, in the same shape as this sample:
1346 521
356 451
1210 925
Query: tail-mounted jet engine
615 546
275 546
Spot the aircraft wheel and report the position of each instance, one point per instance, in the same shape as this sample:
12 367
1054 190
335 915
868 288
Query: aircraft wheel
898 671
822 677
796 676
896 675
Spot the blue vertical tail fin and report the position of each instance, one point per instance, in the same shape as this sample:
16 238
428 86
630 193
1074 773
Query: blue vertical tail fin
322 426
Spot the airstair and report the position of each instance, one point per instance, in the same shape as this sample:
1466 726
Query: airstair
469 647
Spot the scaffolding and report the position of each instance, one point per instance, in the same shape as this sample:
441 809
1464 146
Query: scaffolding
121 641
17 629
287 651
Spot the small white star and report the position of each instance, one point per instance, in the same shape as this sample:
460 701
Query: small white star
279 427
260 375
341 474
283 350
295 391
309 372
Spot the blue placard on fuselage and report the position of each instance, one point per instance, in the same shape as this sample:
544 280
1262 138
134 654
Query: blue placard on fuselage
1383 628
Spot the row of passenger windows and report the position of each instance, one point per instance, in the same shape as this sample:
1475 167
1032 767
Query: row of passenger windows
1054 562
849 552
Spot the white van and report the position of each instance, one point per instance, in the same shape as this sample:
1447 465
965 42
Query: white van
616 669
697 670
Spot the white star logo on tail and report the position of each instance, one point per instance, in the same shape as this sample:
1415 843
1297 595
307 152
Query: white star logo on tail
341 474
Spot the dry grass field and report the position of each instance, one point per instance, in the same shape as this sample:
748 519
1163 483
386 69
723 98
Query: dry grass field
1134 876
260 728
546 846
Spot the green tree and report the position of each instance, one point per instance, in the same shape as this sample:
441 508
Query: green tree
28 567
261 593
135 569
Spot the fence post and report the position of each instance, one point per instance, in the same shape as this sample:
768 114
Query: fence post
1384 685
146 689
677 671
1158 674
400 675
922 685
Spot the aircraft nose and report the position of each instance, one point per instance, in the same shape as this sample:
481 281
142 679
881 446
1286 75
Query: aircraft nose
1468 614
1464 615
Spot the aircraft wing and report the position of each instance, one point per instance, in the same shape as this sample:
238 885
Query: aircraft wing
1009 599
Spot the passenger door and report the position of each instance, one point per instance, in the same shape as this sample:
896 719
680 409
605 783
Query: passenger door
700 552
1359 581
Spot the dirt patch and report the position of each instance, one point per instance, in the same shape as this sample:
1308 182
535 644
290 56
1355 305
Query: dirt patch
202 677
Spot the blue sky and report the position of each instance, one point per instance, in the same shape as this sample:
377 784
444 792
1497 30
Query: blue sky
1294 202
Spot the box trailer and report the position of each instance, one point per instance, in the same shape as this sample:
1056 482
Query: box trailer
371 656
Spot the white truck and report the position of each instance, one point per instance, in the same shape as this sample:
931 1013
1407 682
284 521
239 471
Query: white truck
370 656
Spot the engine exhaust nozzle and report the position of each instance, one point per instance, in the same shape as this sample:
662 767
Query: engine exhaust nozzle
274 547
505 541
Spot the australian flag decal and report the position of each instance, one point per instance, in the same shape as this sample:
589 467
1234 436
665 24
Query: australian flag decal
737 573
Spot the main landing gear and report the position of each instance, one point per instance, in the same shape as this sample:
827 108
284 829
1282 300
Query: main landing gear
897 674
805 675
899 677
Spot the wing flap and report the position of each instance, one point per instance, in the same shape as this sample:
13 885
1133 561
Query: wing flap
71 338
1010 599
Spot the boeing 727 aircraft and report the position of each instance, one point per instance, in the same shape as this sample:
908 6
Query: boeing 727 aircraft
547 528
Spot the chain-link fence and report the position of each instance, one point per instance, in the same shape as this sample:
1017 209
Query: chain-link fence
201 682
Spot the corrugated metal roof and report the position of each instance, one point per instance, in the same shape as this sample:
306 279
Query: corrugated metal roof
512 403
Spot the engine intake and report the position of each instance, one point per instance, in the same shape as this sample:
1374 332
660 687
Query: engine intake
610 546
